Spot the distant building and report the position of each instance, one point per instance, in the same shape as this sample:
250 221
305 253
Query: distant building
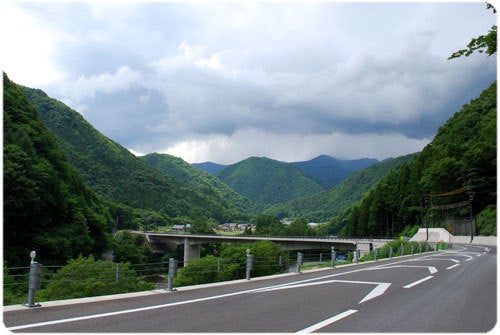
235 226
179 228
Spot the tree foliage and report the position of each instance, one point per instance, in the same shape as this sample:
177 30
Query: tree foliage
325 205
178 169
267 181
47 207
483 43
232 264
86 277
118 176
462 154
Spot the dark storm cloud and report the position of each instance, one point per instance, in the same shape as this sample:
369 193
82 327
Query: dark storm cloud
287 80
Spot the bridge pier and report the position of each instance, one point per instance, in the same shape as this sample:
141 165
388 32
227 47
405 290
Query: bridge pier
191 250
364 248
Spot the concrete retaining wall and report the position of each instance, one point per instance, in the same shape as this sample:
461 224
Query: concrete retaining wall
442 235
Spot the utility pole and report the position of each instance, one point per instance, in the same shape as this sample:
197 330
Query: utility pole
470 193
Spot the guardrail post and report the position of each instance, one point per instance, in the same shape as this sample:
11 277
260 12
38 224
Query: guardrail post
376 253
334 255
426 247
357 255
402 249
420 248
280 261
218 264
172 272
390 252
411 249
320 257
35 280
300 259
249 266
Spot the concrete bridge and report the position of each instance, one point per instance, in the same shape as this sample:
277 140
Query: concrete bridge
161 241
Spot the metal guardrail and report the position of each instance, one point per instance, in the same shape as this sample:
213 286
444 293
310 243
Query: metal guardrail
25 280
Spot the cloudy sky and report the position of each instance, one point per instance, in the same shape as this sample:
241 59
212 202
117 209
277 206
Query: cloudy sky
222 81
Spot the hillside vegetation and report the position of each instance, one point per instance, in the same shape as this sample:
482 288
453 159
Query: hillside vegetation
267 181
325 205
47 206
118 176
462 155
330 171
180 170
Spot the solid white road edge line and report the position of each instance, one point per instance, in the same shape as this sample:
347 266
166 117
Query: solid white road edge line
327 322
418 281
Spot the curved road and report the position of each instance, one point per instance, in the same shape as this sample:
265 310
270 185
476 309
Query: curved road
450 291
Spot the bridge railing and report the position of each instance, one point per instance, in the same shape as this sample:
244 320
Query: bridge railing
272 237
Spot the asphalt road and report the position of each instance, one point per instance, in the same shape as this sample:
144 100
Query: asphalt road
451 291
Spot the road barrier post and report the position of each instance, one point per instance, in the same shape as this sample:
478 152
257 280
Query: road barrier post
249 264
218 264
334 255
35 281
402 249
358 253
426 247
376 253
390 252
300 259
280 261
172 272
419 248
411 249
320 257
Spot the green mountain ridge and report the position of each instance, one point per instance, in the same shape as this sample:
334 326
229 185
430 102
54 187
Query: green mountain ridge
267 181
179 169
47 207
324 205
117 175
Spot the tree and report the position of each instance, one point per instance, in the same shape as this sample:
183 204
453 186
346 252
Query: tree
85 276
484 43
128 248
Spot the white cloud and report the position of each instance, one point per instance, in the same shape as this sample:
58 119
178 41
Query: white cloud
27 48
218 78
106 83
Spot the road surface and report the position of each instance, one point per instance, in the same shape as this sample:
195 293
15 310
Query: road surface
445 291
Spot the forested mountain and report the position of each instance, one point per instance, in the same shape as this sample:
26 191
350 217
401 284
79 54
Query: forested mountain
330 171
47 206
117 175
327 204
267 181
180 170
462 155
209 167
